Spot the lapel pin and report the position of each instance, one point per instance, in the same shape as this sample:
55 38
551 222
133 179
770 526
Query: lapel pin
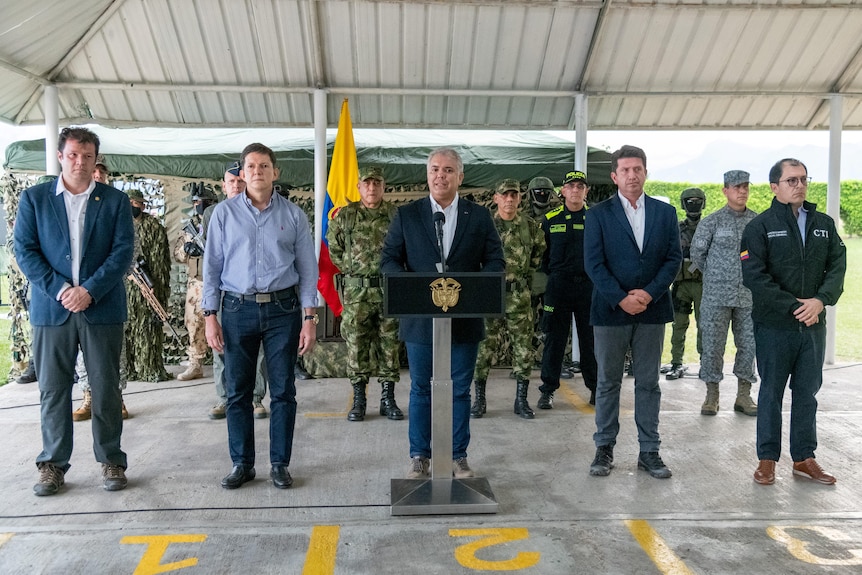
98 198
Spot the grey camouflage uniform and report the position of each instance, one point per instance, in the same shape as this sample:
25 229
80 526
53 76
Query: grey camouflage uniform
355 237
523 246
715 251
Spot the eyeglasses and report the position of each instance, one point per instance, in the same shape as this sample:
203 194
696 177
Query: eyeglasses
794 181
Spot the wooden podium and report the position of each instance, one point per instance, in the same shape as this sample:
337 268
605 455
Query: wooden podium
443 297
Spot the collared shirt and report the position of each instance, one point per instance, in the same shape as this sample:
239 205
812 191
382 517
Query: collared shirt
451 222
636 217
252 251
801 220
76 214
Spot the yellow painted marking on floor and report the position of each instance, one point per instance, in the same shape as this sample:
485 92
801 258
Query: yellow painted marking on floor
320 559
4 537
466 554
150 563
575 399
324 414
798 547
656 549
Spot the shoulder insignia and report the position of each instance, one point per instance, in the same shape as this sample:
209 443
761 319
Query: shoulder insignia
556 211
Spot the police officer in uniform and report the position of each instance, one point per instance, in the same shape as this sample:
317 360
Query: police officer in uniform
569 289
523 247
687 287
355 237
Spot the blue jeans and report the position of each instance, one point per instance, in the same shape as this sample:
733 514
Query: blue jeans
421 358
245 325
797 355
612 342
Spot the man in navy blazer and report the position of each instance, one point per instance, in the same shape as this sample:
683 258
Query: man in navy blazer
632 254
471 244
74 241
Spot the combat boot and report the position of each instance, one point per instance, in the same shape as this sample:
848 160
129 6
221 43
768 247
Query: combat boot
522 408
29 374
743 401
676 371
479 407
710 404
84 412
357 412
388 407
193 371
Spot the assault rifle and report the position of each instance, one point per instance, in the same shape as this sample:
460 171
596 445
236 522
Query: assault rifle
197 237
139 276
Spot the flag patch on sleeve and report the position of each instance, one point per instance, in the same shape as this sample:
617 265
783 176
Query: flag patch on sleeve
743 255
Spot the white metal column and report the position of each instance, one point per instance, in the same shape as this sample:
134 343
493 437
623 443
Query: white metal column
50 102
833 198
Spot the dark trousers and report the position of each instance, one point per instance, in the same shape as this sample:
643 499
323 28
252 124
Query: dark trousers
246 325
557 327
797 356
55 349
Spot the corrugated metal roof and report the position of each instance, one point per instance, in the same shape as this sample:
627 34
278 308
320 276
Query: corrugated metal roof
703 64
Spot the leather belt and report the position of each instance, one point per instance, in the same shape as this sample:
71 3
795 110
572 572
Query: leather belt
266 297
374 281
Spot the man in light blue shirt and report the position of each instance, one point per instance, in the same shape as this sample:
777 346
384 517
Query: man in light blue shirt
260 271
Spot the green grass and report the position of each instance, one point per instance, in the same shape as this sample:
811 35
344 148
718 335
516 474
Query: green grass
5 327
848 339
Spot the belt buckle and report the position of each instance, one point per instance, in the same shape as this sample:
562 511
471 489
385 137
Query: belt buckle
262 298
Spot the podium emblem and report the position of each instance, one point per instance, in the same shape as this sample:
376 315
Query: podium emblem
445 293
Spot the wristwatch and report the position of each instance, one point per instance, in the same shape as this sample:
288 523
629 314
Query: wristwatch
209 312
312 318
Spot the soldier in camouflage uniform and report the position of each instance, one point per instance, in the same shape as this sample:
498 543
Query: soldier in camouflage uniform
688 285
523 246
726 301
189 251
144 336
569 291
355 237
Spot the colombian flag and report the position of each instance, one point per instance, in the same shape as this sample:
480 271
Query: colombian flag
341 188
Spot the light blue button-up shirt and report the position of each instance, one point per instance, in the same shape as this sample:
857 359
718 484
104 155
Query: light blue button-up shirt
252 251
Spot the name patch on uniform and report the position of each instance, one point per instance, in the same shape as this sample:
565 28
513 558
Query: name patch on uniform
558 228
577 226
723 233
777 234
821 233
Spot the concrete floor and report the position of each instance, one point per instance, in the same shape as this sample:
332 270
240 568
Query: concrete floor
553 518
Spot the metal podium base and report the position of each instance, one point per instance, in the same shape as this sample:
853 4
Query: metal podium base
442 496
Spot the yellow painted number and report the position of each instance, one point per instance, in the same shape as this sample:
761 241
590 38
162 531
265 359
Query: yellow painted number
466 554
798 547
320 558
150 563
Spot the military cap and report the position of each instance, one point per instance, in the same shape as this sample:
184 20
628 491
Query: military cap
136 195
101 161
371 173
576 176
508 185
233 168
736 177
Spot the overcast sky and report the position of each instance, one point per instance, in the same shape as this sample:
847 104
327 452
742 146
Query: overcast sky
678 156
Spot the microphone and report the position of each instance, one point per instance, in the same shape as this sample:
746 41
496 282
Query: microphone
439 220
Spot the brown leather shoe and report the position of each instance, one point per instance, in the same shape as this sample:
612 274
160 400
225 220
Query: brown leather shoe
765 474
810 469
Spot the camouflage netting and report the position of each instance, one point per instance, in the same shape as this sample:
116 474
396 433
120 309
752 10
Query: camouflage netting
168 198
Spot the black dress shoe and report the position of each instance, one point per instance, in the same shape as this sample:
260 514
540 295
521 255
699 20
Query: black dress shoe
300 373
281 476
237 476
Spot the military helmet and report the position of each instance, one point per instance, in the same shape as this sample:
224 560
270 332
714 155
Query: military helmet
693 201
540 191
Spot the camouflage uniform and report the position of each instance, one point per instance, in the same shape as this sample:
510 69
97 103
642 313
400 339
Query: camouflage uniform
144 337
715 251
355 236
686 295
523 246
193 316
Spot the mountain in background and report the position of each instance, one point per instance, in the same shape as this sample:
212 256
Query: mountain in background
722 155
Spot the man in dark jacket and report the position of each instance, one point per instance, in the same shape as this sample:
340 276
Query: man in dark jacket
793 261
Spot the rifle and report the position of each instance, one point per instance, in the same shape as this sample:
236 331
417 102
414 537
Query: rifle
138 275
197 237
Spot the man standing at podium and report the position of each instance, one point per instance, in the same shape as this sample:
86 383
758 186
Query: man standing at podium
470 244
